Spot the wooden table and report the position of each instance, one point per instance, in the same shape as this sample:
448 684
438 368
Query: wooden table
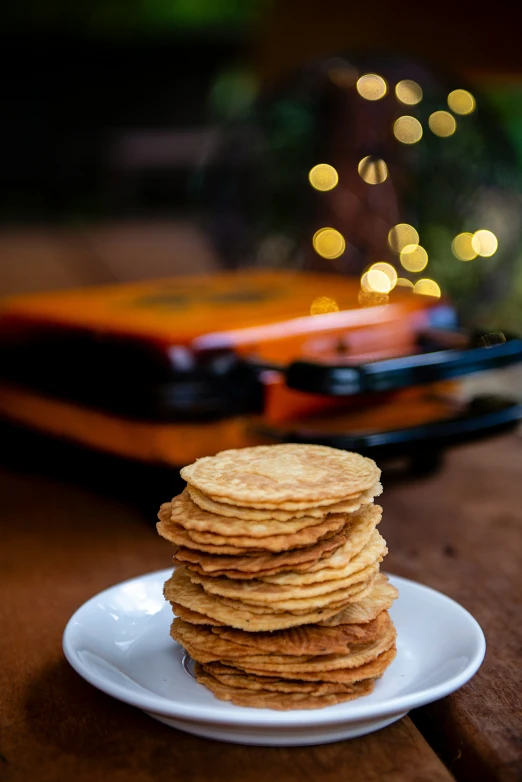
459 531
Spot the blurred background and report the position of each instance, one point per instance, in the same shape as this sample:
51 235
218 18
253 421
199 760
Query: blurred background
111 110
379 142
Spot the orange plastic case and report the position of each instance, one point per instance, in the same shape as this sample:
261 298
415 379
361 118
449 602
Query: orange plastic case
261 313
259 318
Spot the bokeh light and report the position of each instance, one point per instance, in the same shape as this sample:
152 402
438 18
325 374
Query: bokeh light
365 283
323 177
378 281
372 298
323 304
388 270
407 130
485 243
372 87
427 287
414 258
401 235
462 247
461 102
373 170
442 123
434 193
375 281
328 243
408 92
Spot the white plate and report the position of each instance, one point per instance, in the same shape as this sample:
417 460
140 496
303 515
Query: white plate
119 641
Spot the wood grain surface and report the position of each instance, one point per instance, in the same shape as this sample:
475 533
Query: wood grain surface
459 531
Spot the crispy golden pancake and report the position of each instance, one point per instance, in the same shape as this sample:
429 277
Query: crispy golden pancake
281 701
287 476
380 598
309 640
217 544
180 589
193 518
260 593
370 670
358 536
261 562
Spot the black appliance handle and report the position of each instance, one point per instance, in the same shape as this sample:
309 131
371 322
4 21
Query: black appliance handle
483 416
403 371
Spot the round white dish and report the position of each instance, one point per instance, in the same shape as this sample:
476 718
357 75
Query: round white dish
119 641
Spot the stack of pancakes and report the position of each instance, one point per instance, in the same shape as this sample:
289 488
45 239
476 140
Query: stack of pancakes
277 589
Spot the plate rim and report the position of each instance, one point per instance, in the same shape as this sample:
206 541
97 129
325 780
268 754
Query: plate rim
262 718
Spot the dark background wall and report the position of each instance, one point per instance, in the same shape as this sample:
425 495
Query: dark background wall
84 85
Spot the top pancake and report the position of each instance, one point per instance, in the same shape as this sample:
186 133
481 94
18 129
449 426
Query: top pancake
287 476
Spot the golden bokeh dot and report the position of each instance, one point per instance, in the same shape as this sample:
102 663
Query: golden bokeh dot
407 130
462 247
402 282
372 298
461 102
408 92
485 243
323 177
372 87
442 123
373 170
365 284
414 258
401 235
328 243
427 287
379 281
322 305
388 270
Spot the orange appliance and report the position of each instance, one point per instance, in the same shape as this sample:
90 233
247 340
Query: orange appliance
167 371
